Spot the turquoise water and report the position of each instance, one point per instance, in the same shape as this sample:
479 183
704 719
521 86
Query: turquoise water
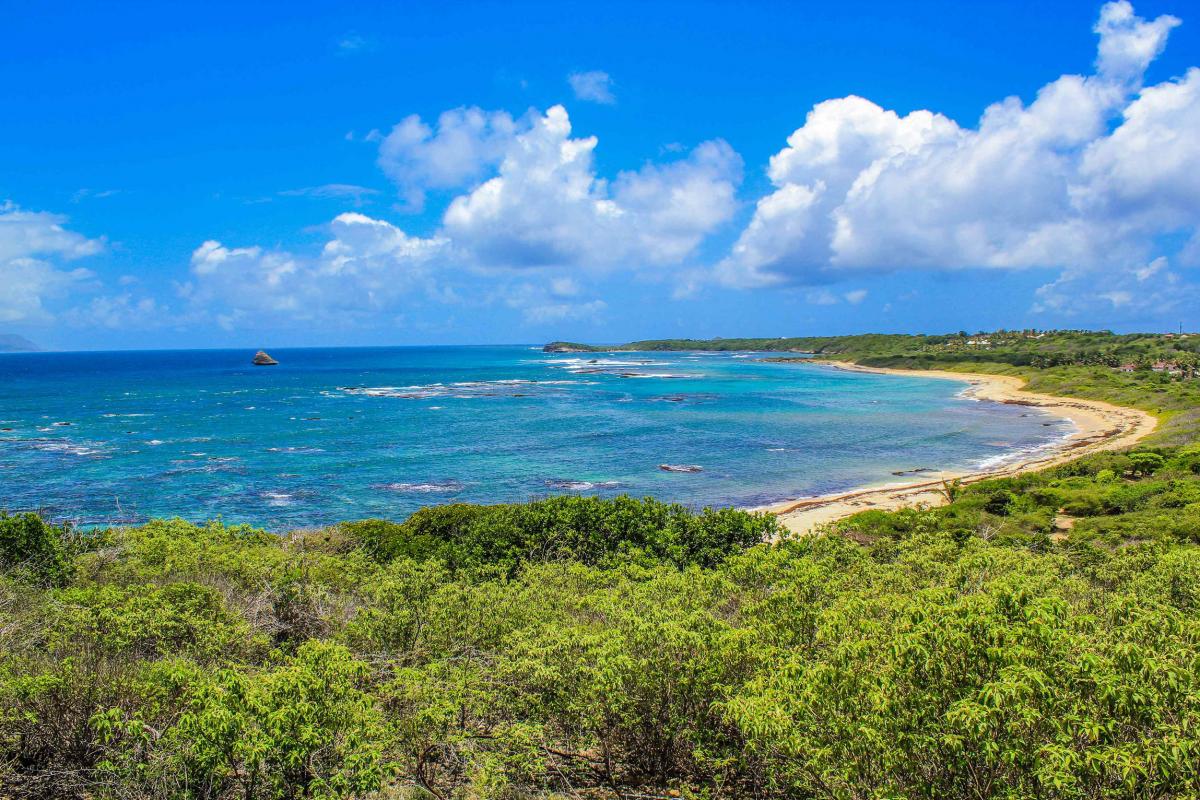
333 434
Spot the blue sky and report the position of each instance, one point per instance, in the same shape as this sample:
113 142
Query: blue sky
382 173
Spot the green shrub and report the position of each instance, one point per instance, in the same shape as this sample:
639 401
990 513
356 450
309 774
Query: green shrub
1187 459
1000 502
35 549
585 529
1084 505
1146 463
1131 496
150 622
1179 494
900 524
306 728
1047 497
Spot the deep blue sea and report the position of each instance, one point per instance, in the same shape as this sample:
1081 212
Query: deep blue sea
337 434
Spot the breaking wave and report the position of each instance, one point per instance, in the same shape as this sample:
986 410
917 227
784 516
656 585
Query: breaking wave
426 487
580 486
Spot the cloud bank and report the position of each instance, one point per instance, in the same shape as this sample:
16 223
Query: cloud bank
544 210
1089 178
1086 178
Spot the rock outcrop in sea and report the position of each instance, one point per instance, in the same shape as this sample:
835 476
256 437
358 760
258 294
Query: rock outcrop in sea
261 359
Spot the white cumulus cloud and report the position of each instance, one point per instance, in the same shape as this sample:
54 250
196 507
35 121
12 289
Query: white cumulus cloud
1085 178
367 266
1147 173
33 248
547 207
458 152
1128 43
532 203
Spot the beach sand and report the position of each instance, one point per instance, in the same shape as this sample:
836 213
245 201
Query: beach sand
1099 426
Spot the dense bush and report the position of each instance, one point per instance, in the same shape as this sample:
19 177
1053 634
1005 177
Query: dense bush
585 647
32 548
584 529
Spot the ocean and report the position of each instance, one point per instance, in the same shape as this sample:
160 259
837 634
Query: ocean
350 433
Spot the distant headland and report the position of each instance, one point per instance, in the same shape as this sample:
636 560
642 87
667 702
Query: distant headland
1176 354
12 343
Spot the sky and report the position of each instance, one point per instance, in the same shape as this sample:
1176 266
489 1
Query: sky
383 173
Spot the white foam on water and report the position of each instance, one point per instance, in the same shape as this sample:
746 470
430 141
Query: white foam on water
463 390
423 487
1026 453
666 375
63 446
277 499
581 486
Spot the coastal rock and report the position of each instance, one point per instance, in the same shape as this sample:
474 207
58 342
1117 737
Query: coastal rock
680 468
261 359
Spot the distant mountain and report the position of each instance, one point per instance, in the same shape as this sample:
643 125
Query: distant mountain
11 343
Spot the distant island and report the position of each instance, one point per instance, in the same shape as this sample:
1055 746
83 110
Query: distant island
12 343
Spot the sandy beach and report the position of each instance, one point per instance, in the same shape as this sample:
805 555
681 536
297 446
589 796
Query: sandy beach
1099 426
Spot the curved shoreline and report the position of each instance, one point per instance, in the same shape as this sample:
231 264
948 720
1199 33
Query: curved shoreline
1099 426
